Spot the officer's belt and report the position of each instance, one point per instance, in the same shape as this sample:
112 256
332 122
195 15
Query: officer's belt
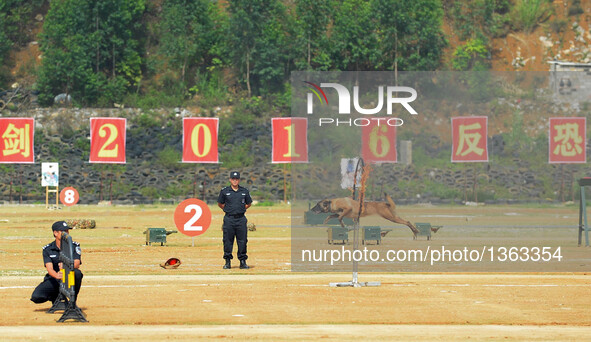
235 215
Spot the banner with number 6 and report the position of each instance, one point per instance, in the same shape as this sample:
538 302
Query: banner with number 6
200 140
378 143
107 140
290 140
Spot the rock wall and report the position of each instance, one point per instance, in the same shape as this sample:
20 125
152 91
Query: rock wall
150 175
62 135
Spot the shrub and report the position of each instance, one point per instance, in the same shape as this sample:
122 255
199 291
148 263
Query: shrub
527 14
169 158
471 56
558 25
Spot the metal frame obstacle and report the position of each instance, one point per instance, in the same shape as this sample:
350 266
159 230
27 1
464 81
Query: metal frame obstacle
583 226
66 299
355 281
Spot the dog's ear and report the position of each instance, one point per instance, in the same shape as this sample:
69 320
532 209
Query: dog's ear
326 204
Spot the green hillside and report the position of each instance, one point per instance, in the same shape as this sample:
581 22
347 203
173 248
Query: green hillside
204 54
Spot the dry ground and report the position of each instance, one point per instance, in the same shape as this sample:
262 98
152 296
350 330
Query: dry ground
127 296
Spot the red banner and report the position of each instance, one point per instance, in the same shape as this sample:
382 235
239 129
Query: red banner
200 140
290 140
107 140
567 139
378 143
17 135
469 139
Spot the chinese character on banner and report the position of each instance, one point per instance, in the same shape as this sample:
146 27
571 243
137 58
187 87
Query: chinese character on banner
290 140
200 140
567 139
378 143
107 140
469 139
17 140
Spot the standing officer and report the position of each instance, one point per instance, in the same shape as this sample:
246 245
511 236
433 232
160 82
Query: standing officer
234 200
48 290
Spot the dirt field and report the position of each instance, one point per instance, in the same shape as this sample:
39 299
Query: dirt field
127 296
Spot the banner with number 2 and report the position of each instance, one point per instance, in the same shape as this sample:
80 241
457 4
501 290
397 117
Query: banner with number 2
107 140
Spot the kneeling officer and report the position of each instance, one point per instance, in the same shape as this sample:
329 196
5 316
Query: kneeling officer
48 290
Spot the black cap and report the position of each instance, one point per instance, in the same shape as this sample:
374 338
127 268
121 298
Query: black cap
60 225
235 174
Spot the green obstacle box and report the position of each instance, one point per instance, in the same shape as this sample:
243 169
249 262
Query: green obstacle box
155 235
338 233
315 219
371 233
424 230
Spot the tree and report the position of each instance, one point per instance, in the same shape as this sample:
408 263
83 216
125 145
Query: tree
410 34
5 45
354 43
188 33
480 18
90 50
14 16
256 41
312 20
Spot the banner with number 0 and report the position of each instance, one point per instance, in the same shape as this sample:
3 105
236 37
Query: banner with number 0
107 140
378 143
290 140
200 140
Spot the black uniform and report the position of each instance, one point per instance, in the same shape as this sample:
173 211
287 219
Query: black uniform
48 290
234 220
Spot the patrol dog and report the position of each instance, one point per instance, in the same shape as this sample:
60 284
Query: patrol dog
348 207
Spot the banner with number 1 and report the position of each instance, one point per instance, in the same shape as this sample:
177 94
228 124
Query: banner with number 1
290 140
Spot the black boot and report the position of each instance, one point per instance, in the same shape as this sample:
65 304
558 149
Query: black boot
227 266
243 265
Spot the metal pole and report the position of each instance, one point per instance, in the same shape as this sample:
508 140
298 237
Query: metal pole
585 217
465 185
20 190
474 190
355 281
203 192
195 185
284 184
101 190
581 209
562 183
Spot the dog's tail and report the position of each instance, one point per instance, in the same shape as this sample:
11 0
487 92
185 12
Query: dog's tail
390 201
